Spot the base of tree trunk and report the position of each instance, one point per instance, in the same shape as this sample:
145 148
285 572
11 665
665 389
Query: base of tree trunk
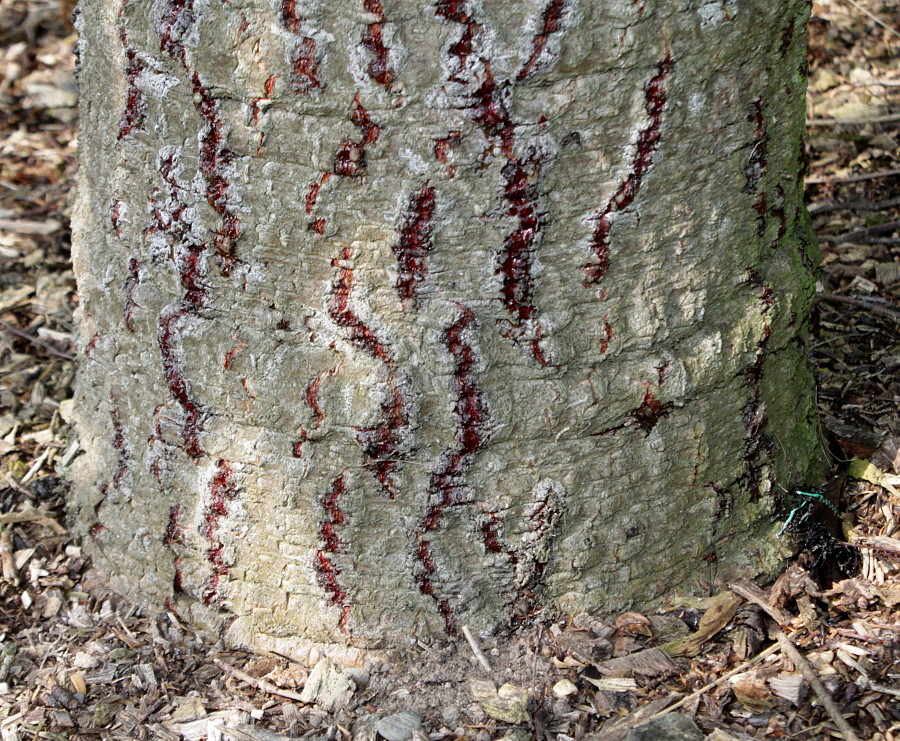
397 316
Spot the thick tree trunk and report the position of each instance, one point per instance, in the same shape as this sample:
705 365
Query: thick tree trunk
400 315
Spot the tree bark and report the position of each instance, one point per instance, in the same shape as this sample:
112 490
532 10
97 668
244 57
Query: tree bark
398 316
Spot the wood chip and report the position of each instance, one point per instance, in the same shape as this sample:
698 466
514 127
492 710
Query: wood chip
651 662
716 617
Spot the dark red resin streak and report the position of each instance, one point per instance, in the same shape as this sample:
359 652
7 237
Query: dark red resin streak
415 243
755 415
490 112
455 11
222 489
304 60
379 69
311 397
517 286
135 106
446 482
215 157
381 443
758 164
327 572
551 22
312 195
647 144
194 300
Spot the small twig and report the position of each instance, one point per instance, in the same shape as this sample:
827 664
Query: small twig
479 654
821 208
857 234
889 118
36 466
70 453
6 556
809 674
8 478
853 178
870 83
33 515
36 341
871 306
874 17
260 684
752 593
715 683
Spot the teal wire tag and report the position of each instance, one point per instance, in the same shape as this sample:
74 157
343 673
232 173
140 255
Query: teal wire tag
810 498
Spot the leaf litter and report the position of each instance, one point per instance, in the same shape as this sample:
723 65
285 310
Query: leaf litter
78 662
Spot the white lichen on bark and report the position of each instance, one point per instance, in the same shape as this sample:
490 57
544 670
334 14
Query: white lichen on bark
398 315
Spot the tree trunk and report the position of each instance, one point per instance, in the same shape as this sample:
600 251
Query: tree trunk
398 316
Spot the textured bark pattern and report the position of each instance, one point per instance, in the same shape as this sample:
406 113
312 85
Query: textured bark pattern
399 315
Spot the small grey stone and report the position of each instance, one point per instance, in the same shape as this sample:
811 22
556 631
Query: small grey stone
399 727
328 686
669 727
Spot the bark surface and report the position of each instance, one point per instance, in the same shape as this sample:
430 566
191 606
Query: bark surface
398 316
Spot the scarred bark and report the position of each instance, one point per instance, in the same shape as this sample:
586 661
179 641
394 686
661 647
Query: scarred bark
398 316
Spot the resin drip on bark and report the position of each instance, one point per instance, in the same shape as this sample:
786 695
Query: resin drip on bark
350 158
650 411
755 413
646 146
551 22
382 443
190 263
757 165
135 111
446 482
379 68
415 243
326 570
303 57
222 489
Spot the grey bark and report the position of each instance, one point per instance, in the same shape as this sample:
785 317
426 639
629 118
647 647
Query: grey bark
398 316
